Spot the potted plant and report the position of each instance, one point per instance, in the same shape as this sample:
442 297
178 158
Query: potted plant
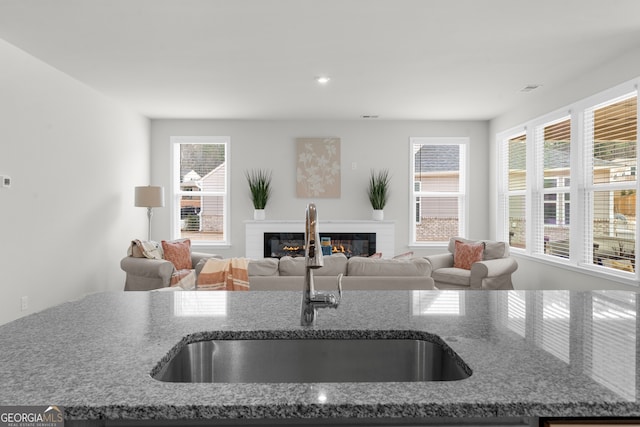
378 192
260 186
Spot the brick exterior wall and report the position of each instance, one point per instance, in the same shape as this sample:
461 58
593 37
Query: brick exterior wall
436 229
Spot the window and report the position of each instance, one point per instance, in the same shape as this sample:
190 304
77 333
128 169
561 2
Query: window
438 189
553 151
417 187
200 189
611 139
514 153
573 190
556 205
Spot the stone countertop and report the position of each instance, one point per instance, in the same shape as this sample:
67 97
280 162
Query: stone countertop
532 353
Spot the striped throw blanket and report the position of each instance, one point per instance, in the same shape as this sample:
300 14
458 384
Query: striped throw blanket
224 275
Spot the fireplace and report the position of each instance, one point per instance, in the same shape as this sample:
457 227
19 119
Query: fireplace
255 230
277 245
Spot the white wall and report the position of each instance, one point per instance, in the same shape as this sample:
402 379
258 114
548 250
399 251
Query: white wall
370 144
534 274
74 157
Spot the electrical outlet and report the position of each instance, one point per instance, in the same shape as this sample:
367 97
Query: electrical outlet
354 166
24 303
5 181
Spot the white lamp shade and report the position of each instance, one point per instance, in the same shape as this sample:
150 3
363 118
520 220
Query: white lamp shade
149 197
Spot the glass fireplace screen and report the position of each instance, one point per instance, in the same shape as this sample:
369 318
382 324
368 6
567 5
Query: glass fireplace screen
277 245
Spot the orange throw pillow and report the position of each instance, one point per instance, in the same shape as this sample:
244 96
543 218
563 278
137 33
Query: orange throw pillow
179 253
466 254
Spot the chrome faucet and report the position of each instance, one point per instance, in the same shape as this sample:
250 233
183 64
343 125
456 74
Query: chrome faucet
312 300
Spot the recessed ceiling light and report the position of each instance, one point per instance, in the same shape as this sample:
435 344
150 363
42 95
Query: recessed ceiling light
323 80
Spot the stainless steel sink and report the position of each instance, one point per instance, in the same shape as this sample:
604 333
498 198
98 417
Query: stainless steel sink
313 360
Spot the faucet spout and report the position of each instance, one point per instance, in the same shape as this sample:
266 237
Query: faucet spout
312 250
311 299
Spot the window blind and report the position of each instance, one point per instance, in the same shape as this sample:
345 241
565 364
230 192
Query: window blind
438 188
516 155
611 162
553 152
201 190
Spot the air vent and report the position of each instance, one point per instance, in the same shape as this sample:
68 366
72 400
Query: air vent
369 116
529 88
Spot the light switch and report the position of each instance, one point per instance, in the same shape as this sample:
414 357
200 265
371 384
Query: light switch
6 181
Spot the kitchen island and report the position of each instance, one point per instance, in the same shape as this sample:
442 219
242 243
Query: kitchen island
531 354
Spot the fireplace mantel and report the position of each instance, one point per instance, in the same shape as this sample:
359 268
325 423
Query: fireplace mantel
254 233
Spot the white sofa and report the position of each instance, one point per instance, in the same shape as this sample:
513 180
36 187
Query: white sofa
287 273
359 273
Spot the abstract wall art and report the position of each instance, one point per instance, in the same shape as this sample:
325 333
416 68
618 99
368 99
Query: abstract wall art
318 167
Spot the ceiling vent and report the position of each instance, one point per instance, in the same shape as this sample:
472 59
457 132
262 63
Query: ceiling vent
369 116
529 88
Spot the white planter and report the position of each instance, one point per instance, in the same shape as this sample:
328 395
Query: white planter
378 215
259 215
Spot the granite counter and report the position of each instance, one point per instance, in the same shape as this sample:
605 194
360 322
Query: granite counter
532 354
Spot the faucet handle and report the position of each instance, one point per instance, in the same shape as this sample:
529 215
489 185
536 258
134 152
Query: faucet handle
340 276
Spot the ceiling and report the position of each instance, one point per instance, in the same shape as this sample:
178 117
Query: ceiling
257 59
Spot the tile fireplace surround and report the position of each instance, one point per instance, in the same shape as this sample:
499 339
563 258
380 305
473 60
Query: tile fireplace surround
254 232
